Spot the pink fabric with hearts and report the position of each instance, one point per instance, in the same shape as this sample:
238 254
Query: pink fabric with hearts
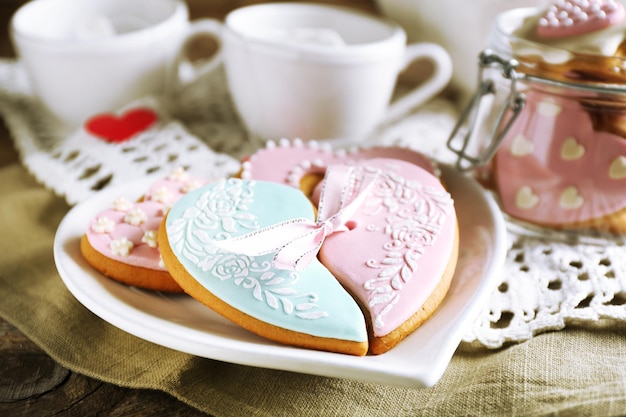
554 167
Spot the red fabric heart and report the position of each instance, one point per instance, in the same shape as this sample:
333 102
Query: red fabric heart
116 129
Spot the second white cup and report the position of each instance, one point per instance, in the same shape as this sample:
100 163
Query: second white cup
313 71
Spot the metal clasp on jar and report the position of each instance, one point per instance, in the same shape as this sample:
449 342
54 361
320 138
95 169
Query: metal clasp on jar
471 115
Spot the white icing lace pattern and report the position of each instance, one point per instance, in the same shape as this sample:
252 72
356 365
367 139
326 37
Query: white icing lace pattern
415 215
546 283
225 207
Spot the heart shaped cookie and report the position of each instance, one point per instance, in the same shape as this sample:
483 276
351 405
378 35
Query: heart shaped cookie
387 238
307 308
400 252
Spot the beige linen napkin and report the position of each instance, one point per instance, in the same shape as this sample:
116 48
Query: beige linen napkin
575 371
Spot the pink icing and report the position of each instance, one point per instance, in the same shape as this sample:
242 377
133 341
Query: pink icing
288 162
169 189
399 243
577 17
141 254
554 167
160 196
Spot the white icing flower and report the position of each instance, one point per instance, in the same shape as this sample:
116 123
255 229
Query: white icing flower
121 246
190 186
162 195
122 204
150 238
178 174
103 225
227 204
412 233
135 217
231 266
414 218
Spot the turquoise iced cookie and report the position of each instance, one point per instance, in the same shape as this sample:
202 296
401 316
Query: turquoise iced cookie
306 308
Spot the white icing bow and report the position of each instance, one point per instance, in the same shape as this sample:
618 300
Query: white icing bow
295 242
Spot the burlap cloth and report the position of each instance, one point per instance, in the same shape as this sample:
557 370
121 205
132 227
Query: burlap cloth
572 372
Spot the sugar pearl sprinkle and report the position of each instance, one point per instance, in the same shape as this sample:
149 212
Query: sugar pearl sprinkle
178 174
189 186
135 216
122 204
575 17
103 225
121 247
162 195
150 238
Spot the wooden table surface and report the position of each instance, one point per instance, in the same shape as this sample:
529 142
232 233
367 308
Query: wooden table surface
32 383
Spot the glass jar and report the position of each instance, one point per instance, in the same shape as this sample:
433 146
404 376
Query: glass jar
546 131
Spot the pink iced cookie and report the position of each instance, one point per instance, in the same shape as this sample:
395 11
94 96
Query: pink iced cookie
577 17
121 241
399 254
289 162
169 189
554 168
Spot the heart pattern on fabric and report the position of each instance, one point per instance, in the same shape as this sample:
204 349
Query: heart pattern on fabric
575 173
120 128
525 198
572 150
617 170
521 146
571 199
549 108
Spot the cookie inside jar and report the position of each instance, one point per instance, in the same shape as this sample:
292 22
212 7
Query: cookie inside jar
552 142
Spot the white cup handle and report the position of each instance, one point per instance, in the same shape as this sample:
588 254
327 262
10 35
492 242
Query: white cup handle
185 71
442 73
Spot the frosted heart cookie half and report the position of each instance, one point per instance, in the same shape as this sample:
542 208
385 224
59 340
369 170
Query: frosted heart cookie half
387 239
306 308
399 254
121 240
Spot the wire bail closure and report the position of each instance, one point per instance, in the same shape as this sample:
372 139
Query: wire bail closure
470 116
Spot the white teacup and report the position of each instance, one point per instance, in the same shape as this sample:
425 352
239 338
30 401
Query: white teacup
314 71
85 57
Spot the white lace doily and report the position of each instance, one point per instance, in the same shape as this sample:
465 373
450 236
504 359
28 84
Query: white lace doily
546 283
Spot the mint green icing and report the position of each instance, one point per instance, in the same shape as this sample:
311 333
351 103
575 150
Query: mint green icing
310 301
